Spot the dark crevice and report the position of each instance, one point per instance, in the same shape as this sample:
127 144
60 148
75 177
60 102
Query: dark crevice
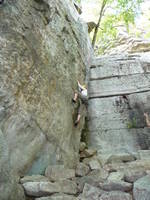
119 94
118 76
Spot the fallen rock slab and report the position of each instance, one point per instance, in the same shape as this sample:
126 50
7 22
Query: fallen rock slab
132 175
115 195
116 185
91 193
141 189
58 197
82 169
58 172
39 189
34 178
122 157
94 164
116 176
90 152
101 173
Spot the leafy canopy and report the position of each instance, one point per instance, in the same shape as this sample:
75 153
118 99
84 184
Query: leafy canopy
116 14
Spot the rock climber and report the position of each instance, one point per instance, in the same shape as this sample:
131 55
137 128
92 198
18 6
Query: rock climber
82 96
1 1
147 119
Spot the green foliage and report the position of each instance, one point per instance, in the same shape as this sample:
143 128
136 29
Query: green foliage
132 123
116 13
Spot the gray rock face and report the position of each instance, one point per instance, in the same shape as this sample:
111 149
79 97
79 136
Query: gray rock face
119 95
9 188
129 44
44 49
141 190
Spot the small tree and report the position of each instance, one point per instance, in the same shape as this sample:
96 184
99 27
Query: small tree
112 14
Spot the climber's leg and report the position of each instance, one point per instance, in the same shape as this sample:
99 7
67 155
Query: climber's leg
77 120
80 110
74 100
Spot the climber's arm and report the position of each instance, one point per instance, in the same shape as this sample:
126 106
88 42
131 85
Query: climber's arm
147 119
80 86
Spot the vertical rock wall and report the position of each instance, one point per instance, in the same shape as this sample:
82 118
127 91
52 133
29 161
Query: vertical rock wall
119 93
44 49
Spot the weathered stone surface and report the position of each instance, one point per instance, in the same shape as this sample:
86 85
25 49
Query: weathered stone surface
139 165
59 172
82 169
90 152
94 164
122 157
92 178
116 185
116 176
144 154
101 173
133 175
34 178
91 193
9 187
116 124
58 197
115 195
105 87
141 190
44 49
129 44
38 189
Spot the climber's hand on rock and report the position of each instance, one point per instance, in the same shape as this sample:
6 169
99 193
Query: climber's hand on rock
146 114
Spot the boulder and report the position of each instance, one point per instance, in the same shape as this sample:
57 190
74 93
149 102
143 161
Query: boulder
91 193
101 173
59 172
116 176
39 189
115 195
141 189
90 152
93 179
58 197
82 169
122 157
116 185
132 175
94 164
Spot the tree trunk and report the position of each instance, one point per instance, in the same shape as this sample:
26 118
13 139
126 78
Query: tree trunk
99 21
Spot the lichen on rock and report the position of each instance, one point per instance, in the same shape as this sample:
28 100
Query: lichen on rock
44 50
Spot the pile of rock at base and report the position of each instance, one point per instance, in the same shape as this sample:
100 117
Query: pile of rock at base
120 177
